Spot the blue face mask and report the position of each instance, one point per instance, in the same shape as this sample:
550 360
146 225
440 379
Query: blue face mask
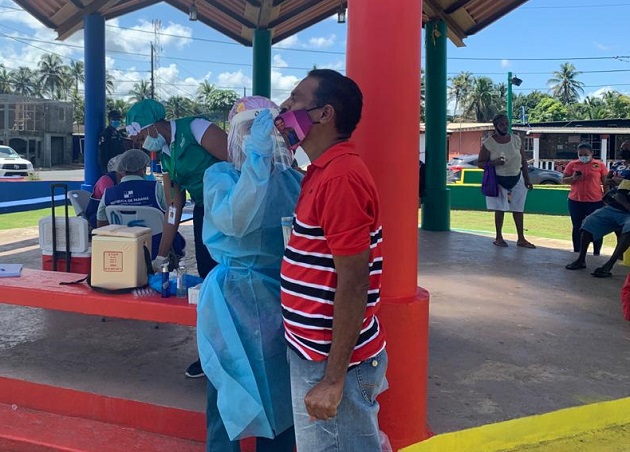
115 124
585 158
154 144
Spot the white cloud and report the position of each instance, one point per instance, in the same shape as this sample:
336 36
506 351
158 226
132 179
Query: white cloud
600 92
601 46
321 42
282 85
292 42
339 65
505 63
278 61
234 80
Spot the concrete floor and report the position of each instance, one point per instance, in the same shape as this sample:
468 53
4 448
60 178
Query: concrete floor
512 334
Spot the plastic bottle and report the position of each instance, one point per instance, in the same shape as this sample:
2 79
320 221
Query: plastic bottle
182 290
166 285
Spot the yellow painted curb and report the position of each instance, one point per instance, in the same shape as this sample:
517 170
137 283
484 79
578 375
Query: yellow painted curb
559 426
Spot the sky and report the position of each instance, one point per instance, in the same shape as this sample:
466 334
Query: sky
531 42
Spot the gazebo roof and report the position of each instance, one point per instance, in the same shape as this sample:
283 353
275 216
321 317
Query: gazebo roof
239 18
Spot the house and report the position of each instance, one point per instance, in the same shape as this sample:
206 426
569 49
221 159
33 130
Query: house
549 145
38 129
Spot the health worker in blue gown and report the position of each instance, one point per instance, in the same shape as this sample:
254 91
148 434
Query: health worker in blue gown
239 324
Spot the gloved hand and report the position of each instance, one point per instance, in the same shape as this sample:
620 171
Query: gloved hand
260 140
158 262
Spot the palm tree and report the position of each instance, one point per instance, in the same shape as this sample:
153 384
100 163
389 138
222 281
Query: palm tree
24 82
77 71
459 89
481 100
51 75
204 90
179 106
109 83
5 80
140 91
564 84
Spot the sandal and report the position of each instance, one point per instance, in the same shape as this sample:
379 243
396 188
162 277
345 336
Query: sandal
501 243
601 272
575 265
526 244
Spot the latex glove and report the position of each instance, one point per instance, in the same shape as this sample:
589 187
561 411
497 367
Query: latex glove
158 262
260 140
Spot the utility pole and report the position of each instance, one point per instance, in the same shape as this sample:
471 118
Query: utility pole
152 79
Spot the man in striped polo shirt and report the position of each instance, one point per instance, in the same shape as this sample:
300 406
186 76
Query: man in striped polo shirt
331 276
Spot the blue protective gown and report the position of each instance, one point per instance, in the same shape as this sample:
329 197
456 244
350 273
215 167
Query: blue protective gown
239 323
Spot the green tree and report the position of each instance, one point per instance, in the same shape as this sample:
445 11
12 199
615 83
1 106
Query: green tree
24 82
564 84
5 80
222 100
179 107
77 72
52 75
204 90
548 109
459 88
481 101
140 91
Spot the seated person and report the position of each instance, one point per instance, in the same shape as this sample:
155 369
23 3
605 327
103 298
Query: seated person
610 218
135 190
107 180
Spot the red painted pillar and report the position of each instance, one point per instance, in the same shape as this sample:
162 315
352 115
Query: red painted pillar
383 57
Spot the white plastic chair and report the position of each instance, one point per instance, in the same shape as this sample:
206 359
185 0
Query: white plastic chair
79 200
146 216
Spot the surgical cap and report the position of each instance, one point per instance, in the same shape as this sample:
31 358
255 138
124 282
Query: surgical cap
241 118
112 165
142 114
132 161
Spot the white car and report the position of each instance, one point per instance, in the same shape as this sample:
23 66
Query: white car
11 164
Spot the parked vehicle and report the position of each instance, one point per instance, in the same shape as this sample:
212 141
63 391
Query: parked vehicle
537 176
11 164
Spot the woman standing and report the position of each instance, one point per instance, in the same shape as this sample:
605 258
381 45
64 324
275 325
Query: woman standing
587 178
504 151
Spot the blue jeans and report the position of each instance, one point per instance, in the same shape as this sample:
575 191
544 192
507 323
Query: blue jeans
217 438
355 428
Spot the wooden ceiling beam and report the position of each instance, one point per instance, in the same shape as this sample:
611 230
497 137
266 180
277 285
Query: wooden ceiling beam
291 14
76 21
228 12
455 6
456 34
481 25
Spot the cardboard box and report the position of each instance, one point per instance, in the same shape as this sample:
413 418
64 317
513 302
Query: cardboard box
118 258
79 262
79 237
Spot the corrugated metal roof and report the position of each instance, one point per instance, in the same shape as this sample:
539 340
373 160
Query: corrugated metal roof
576 130
239 18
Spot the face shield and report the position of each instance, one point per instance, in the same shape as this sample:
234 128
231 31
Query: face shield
240 129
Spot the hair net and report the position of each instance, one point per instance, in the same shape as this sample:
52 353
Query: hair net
143 114
241 118
132 161
112 165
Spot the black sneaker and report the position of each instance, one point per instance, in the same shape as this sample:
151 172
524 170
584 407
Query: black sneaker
195 370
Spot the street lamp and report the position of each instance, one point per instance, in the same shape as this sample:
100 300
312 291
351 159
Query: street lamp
511 81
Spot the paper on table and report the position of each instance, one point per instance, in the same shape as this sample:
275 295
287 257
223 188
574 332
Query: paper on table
7 270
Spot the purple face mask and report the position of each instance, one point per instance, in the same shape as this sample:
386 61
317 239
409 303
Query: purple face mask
294 125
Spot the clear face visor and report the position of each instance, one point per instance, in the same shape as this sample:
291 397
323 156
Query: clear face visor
240 129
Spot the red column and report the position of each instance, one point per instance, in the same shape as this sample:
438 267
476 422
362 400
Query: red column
383 57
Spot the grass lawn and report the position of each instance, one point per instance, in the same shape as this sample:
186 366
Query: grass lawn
546 226
30 218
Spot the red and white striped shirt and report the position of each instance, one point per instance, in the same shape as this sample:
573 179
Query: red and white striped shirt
337 214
